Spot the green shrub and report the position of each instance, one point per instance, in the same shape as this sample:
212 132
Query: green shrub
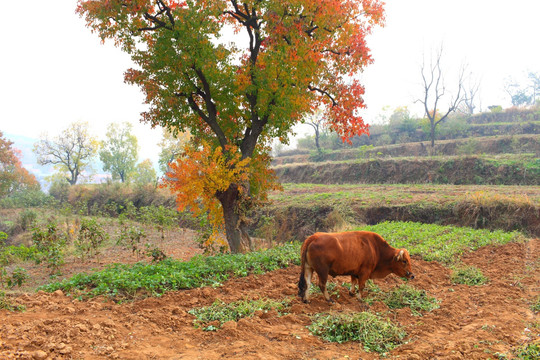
222 312
131 237
375 333
468 275
91 237
27 219
50 243
26 199
18 277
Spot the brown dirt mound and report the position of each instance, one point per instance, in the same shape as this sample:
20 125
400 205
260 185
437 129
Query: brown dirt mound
471 323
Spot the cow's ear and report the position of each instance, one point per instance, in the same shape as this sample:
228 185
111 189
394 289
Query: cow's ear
399 256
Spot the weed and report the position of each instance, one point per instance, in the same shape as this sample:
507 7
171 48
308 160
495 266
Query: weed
468 275
223 312
6 304
528 352
536 305
407 296
376 334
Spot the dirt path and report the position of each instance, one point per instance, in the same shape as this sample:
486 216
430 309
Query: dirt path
471 323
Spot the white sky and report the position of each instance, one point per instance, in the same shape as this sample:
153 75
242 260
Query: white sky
54 71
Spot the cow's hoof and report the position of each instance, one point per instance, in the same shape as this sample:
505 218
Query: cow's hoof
331 301
305 301
351 293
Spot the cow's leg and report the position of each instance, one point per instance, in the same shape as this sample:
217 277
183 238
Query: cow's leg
308 273
361 285
323 279
354 280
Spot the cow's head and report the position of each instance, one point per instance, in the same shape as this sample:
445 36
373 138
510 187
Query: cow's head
402 264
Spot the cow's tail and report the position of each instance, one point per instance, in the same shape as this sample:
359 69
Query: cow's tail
302 285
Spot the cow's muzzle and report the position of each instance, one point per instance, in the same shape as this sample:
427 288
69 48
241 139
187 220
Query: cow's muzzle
410 275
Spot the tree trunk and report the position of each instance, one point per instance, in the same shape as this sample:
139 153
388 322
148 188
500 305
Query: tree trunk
432 135
237 237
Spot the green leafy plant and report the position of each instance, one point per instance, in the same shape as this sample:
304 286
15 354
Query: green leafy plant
91 237
18 277
440 243
27 218
468 275
126 281
6 303
375 333
131 237
50 244
155 253
528 352
407 296
222 312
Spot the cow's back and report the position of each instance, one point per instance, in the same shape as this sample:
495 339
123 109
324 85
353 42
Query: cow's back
344 253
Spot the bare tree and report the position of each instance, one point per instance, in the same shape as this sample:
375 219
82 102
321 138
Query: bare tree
435 92
469 96
318 123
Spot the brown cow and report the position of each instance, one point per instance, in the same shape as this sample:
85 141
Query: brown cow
361 254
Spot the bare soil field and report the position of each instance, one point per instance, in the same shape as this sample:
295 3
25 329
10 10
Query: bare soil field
472 322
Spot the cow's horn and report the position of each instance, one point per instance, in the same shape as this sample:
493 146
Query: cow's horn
400 255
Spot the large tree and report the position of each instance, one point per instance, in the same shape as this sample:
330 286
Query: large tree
236 75
13 176
71 152
119 151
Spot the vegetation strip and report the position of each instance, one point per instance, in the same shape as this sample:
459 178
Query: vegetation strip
128 281
440 243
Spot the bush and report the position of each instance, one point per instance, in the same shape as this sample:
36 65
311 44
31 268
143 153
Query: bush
26 199
91 237
27 218
375 333
50 245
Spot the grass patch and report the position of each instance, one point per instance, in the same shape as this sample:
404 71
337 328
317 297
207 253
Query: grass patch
536 305
210 318
123 281
528 352
468 275
375 333
444 244
404 296
6 304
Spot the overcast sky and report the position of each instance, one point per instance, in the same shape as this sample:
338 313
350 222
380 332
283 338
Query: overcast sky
54 71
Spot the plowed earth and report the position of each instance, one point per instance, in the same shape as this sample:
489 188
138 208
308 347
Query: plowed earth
473 322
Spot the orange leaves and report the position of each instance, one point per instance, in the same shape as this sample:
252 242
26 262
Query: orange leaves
201 173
